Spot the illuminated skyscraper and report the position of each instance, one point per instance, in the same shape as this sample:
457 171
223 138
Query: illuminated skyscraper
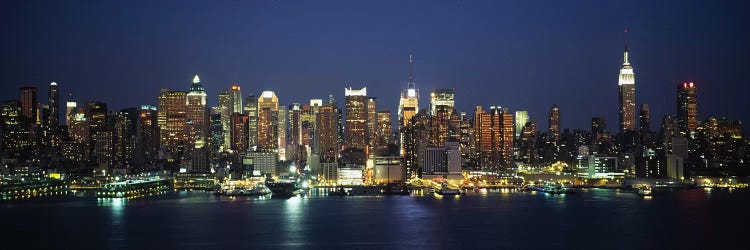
442 99
522 117
645 118
295 124
506 133
172 119
70 109
627 95
147 136
281 130
356 118
225 108
326 133
554 122
96 112
687 108
79 132
15 138
124 137
268 111
54 106
197 115
236 96
489 137
384 134
251 109
239 132
409 102
372 122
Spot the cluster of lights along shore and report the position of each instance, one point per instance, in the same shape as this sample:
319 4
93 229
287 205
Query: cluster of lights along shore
249 135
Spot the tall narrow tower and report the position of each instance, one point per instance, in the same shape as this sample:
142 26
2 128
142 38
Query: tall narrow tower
687 108
197 114
409 103
627 95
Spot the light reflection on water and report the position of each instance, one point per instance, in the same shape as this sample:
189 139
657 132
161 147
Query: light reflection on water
495 219
117 209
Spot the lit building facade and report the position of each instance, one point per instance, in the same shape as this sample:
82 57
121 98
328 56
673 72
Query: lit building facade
236 96
442 99
225 108
522 117
627 95
268 111
326 133
554 122
687 108
172 119
356 118
197 115
251 109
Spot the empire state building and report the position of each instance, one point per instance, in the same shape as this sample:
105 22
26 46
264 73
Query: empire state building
627 95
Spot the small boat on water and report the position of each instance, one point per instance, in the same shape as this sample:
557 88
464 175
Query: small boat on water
644 191
551 188
283 187
445 190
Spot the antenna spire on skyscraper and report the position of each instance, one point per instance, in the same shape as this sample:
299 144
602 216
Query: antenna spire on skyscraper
412 85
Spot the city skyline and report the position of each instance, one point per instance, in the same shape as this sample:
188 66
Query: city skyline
661 63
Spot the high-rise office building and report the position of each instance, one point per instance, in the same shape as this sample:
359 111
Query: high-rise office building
281 129
124 137
384 135
356 118
442 99
70 109
197 115
627 94
506 133
554 122
28 102
522 117
268 111
687 108
14 137
326 133
171 119
54 106
295 132
645 118
236 96
96 112
147 136
225 110
488 137
239 132
372 122
251 109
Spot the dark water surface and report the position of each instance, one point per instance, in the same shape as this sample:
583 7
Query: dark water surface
592 219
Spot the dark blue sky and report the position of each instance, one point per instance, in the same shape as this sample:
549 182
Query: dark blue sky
524 55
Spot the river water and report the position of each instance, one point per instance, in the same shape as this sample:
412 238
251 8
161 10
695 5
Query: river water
501 219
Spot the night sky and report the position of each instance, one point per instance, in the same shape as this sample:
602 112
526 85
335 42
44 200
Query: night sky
524 55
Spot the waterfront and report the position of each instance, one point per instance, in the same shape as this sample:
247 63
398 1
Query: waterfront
594 218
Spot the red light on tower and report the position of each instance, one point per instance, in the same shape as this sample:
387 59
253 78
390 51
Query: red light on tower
691 84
